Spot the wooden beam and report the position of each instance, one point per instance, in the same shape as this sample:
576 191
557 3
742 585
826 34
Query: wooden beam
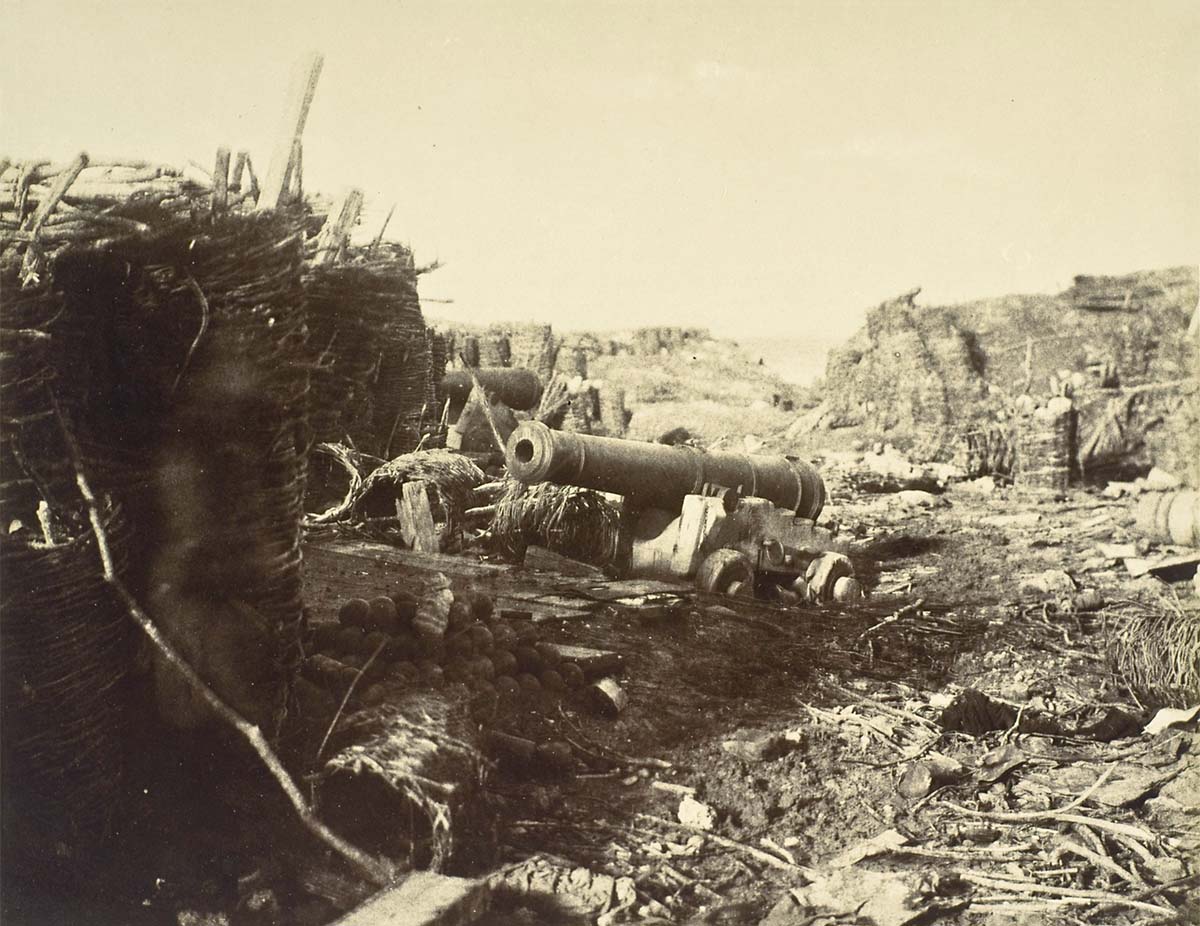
235 181
296 176
291 130
220 193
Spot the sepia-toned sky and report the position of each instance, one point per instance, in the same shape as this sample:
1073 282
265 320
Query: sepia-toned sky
754 167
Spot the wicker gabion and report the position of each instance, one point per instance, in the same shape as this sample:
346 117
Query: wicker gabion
67 650
185 360
371 355
1155 652
1046 446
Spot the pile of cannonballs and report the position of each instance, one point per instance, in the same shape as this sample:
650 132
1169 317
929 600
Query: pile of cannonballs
448 638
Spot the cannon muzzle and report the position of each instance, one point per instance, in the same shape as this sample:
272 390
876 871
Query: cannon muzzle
658 476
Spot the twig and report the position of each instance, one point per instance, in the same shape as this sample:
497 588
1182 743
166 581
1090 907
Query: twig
893 617
1102 861
1031 887
375 870
337 715
768 843
1031 816
764 857
1000 854
187 360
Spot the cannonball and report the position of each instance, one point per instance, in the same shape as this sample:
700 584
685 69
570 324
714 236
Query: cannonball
325 636
460 646
383 615
406 605
572 675
552 681
482 606
405 672
525 630
458 670
435 677
433 648
504 661
508 688
375 694
549 654
481 637
484 702
403 645
349 640
482 667
529 660
530 686
460 614
503 636
354 613
376 639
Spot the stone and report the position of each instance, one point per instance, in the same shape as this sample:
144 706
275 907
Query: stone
762 748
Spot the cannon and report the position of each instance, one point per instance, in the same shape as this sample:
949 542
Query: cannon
733 522
517 388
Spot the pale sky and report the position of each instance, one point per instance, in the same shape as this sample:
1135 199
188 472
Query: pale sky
752 167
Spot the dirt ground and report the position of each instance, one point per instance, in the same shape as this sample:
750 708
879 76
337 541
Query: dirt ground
792 724
789 727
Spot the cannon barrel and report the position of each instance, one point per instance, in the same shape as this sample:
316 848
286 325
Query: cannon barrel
515 387
656 475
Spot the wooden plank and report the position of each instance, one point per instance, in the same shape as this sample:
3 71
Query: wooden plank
406 559
595 663
540 558
424 898
416 520
291 129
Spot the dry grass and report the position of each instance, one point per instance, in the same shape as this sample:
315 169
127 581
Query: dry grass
575 522
416 749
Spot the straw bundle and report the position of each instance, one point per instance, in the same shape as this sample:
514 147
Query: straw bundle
556 398
569 520
420 748
452 476
1156 653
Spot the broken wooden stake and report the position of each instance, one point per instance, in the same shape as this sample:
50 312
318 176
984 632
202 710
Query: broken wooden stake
291 130
335 233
